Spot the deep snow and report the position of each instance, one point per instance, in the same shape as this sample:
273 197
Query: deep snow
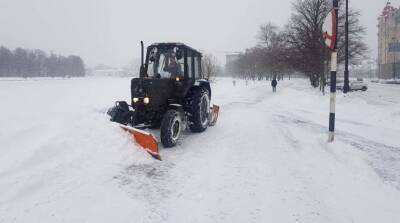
266 160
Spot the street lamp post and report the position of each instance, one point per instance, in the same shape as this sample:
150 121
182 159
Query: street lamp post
346 87
394 65
394 48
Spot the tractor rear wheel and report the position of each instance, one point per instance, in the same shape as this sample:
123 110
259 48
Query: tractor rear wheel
200 110
171 127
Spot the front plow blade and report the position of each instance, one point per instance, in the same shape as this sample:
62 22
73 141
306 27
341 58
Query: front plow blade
214 115
145 140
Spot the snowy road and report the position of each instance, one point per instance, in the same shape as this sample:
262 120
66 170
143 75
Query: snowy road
267 159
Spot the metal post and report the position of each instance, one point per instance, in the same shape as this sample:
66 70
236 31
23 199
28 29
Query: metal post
333 82
394 67
394 55
346 87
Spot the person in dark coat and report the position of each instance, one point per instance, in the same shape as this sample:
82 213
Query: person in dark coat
273 84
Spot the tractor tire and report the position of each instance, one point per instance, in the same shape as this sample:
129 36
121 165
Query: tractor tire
171 128
199 111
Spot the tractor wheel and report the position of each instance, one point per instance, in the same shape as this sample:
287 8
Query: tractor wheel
171 127
200 110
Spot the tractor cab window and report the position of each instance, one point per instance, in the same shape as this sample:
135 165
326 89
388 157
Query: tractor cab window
190 66
165 63
197 66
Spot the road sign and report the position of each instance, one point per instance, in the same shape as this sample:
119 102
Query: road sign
329 30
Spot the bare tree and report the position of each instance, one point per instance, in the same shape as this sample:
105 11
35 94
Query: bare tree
6 60
357 46
210 66
35 63
303 34
299 46
268 58
268 34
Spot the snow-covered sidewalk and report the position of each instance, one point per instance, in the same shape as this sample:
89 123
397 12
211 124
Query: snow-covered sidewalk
266 160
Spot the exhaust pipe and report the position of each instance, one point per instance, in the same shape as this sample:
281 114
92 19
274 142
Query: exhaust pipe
141 44
142 72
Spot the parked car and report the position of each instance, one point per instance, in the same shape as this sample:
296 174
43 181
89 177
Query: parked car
358 86
354 85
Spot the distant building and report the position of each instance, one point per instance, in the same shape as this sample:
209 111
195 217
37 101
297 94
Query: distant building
231 57
389 42
102 70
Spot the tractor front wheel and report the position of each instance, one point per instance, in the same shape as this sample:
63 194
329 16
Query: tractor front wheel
171 127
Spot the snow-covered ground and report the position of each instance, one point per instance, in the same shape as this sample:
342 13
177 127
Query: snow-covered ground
266 160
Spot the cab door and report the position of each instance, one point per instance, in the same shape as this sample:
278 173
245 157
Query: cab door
189 76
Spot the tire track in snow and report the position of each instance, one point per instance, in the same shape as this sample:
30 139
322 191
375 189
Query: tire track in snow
384 159
159 183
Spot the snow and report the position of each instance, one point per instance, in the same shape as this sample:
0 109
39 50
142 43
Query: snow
266 160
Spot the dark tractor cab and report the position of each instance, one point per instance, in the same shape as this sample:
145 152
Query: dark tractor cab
170 93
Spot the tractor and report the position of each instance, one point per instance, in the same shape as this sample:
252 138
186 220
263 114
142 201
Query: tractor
170 94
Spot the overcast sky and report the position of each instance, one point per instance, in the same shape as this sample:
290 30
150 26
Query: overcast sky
109 31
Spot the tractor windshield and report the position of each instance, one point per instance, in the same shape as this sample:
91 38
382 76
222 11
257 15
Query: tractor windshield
165 63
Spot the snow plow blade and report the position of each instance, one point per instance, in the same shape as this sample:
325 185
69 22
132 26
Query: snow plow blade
145 140
214 115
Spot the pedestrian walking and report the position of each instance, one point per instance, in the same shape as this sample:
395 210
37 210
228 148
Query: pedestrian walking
273 84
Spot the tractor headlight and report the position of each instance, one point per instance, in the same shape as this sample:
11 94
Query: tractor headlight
135 100
146 100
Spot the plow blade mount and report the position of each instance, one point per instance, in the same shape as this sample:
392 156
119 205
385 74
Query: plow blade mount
145 140
214 115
